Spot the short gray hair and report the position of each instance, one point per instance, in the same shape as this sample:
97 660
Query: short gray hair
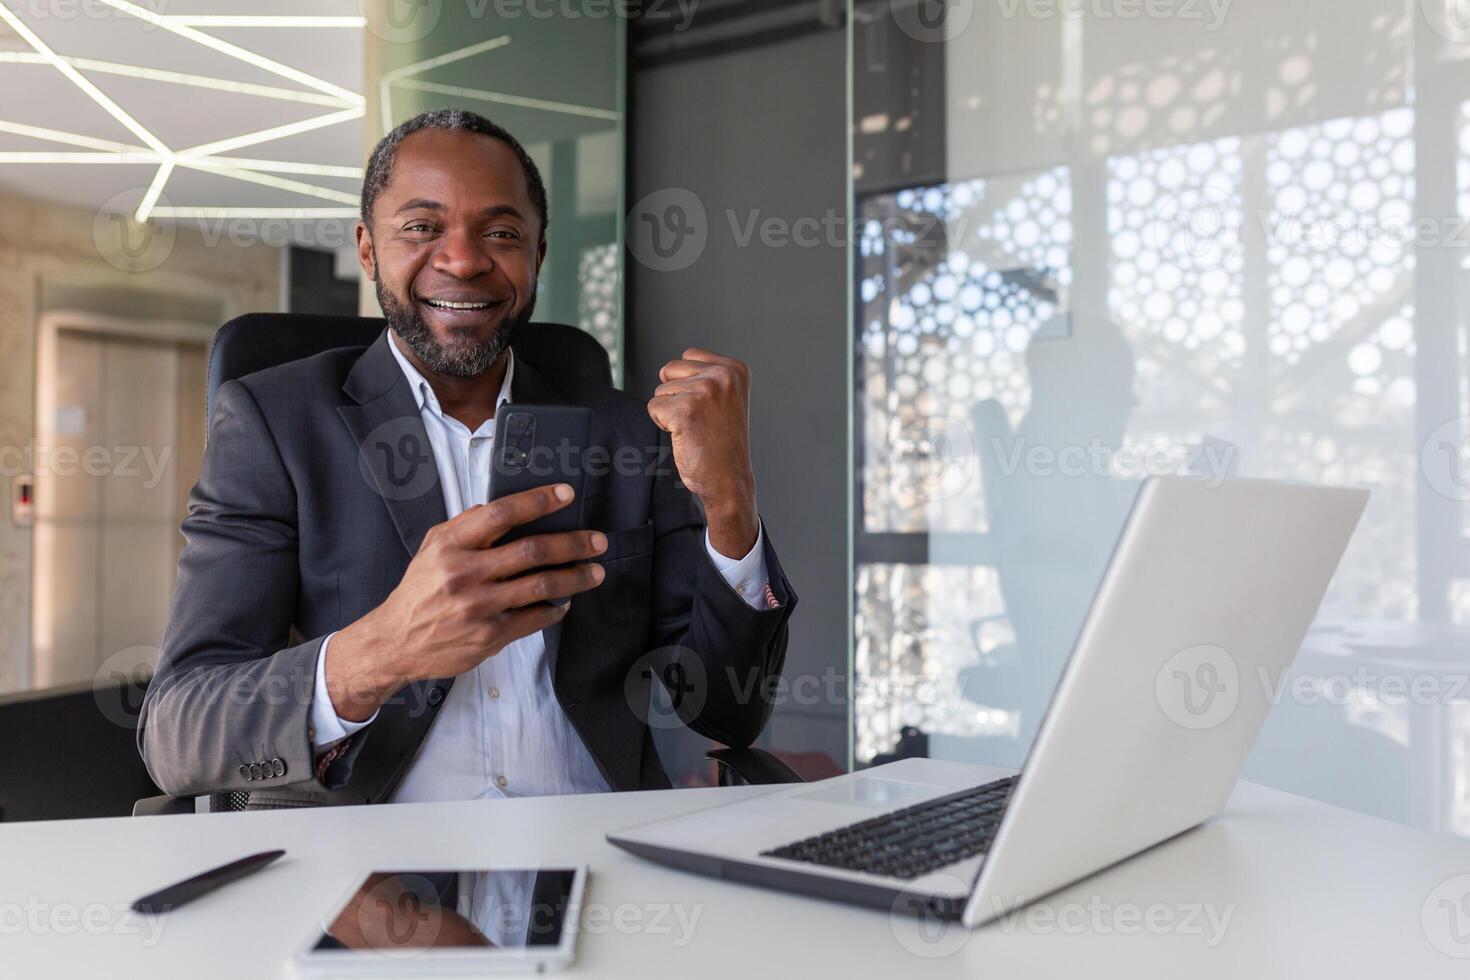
380 163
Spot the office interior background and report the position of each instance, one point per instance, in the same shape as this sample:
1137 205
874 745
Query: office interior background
991 264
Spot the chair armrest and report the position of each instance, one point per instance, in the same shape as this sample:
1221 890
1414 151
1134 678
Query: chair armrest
163 806
752 766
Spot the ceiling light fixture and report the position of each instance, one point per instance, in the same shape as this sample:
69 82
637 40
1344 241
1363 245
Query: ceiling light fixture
274 133
71 139
419 67
262 20
235 51
179 78
290 214
269 180
505 98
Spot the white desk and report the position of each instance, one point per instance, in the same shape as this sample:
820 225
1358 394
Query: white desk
1311 891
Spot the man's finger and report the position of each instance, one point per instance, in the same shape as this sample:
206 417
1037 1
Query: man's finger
708 356
523 622
684 386
677 370
667 411
488 523
508 560
560 583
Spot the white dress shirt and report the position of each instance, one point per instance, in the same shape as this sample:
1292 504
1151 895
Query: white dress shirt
500 732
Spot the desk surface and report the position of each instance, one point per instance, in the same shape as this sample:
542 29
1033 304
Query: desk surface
1303 890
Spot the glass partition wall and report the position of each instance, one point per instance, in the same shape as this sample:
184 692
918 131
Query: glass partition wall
558 84
1101 241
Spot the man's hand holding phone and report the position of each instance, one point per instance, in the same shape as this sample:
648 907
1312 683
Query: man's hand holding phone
464 598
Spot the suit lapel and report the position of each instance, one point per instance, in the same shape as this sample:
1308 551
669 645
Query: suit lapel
393 451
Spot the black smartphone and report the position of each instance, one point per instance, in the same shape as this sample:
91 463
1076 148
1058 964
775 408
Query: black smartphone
538 446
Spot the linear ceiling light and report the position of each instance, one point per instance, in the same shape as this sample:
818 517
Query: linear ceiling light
179 78
269 180
286 167
96 94
292 214
235 51
71 139
274 133
150 197
505 98
262 20
36 156
385 83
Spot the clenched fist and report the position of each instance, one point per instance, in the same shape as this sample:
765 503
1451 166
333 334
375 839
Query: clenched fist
704 406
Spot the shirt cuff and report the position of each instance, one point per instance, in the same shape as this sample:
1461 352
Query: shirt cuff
326 726
747 576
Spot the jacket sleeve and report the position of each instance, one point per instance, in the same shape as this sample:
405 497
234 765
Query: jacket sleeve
724 655
229 705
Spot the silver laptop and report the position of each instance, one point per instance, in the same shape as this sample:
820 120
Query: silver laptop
1207 598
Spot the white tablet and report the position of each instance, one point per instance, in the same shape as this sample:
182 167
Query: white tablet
427 923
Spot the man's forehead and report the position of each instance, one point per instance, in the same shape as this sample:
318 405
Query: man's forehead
456 160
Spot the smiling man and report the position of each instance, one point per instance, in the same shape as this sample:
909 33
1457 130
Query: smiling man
341 637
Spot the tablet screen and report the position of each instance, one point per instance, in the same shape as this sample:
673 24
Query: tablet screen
409 912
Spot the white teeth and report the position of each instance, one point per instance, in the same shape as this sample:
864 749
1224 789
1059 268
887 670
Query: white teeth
445 304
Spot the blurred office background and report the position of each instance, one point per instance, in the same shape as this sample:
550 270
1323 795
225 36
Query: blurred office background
991 263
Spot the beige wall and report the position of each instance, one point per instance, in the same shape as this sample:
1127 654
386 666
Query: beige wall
50 246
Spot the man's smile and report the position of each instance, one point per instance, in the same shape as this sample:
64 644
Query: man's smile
459 309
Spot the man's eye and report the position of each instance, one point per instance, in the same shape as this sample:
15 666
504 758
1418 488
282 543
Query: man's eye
418 227
501 233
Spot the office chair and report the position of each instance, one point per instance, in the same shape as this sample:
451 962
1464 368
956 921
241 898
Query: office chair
257 341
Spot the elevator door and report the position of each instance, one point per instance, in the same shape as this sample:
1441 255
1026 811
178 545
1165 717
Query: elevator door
120 436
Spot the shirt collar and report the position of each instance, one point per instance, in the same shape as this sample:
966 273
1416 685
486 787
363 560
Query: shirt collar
423 392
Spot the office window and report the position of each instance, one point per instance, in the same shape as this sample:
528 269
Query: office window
1120 249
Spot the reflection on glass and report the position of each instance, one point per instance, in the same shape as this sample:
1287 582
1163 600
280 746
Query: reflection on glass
406 912
1117 250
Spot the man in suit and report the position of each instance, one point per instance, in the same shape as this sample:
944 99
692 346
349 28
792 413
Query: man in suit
347 627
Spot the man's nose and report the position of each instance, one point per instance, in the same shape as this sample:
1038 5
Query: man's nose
459 255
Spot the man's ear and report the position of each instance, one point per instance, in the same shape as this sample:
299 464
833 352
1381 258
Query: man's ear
540 254
365 256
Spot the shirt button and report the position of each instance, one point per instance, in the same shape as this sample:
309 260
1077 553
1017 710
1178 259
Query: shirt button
502 782
494 693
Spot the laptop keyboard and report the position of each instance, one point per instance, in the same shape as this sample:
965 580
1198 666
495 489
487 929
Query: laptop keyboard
913 841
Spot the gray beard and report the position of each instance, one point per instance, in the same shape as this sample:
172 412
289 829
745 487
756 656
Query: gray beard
459 358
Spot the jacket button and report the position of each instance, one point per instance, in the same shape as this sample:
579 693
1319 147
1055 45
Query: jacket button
436 694
255 770
245 771
278 767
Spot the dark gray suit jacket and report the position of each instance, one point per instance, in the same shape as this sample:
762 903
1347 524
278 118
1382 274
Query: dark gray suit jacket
317 488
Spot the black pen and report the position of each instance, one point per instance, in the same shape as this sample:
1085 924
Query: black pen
200 885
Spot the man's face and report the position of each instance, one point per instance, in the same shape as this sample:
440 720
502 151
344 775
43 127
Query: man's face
455 248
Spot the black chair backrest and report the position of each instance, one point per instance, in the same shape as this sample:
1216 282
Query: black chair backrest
256 341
